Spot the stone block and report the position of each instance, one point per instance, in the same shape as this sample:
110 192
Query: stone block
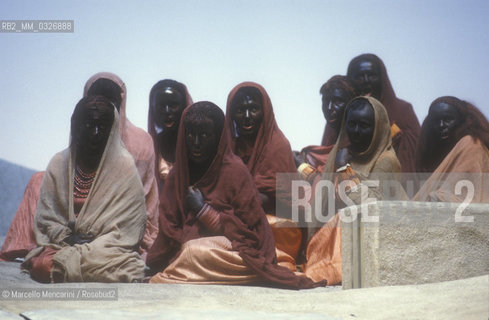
414 243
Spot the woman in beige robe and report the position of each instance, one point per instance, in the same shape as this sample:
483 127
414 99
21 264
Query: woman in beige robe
20 236
89 231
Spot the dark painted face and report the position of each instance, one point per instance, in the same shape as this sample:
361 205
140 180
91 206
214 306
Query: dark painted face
108 89
248 115
360 126
334 103
365 76
201 141
444 120
167 106
93 132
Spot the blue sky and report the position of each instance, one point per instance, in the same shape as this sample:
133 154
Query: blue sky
430 48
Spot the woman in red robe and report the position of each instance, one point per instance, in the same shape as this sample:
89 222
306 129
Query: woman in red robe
264 149
212 227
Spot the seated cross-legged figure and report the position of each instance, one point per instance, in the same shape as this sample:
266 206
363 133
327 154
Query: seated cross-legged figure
91 213
20 237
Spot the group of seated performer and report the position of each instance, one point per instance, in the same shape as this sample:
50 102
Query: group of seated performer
453 146
20 237
452 131
197 198
366 76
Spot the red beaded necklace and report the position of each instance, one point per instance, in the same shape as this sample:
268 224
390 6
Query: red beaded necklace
83 183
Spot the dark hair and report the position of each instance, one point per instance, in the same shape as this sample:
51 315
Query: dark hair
105 87
81 109
340 82
205 110
247 91
472 122
169 83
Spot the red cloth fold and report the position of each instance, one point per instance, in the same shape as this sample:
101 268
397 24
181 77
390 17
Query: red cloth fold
402 114
20 237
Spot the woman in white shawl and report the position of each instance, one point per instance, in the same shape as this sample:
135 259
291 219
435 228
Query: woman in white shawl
91 213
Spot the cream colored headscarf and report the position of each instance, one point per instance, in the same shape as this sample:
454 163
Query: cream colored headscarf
114 213
378 162
380 147
122 108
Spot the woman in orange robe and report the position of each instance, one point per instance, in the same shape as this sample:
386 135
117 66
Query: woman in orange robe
453 148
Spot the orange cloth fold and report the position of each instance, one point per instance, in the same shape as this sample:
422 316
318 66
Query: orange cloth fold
288 239
324 253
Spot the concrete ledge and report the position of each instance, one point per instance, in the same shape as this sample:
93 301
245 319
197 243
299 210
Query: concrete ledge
414 243
461 299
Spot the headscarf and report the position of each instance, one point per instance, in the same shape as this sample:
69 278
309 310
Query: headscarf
226 186
381 144
113 213
378 162
271 153
401 113
139 144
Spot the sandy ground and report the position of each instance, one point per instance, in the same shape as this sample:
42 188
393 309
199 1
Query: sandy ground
460 299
